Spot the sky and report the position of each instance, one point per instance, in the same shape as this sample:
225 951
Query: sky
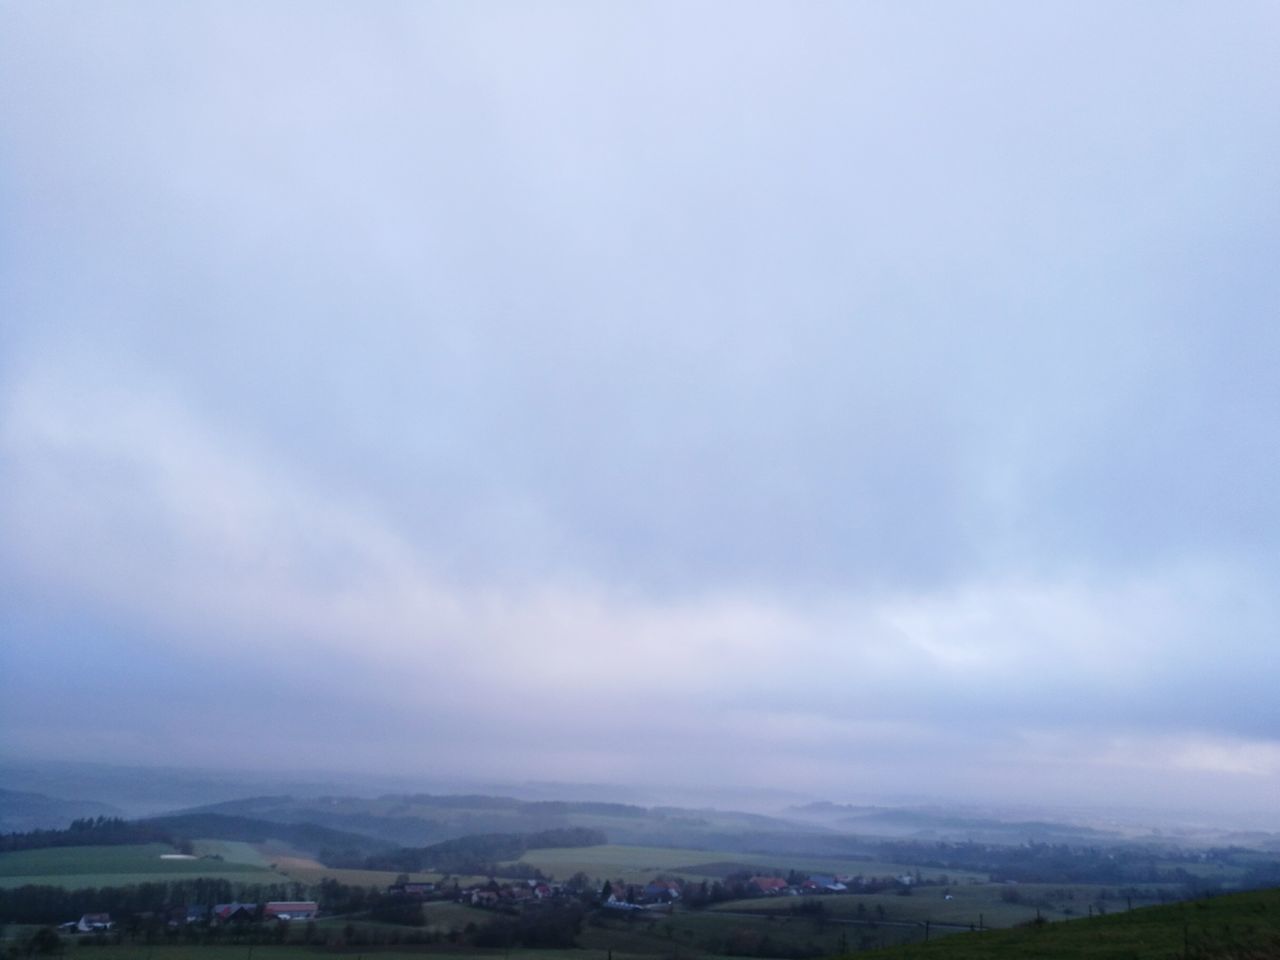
860 399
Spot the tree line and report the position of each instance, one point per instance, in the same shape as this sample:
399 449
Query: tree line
89 831
480 854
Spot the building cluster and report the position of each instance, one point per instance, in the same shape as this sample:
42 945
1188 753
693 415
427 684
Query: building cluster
491 894
279 911
818 883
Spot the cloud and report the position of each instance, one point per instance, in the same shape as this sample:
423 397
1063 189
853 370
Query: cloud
126 502
885 394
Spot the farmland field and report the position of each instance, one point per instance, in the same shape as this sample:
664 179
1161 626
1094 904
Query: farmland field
441 916
75 867
695 933
307 870
232 851
977 904
128 951
1229 927
638 864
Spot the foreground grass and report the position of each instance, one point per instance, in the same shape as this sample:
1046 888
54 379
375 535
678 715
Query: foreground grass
1241 926
301 952
980 905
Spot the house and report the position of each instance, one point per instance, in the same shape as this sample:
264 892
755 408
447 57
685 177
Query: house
234 912
772 886
662 890
94 923
290 910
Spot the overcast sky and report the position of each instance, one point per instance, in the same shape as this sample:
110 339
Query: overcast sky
864 399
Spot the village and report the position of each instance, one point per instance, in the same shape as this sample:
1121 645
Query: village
659 894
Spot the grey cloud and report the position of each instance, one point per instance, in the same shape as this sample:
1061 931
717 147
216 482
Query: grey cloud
594 322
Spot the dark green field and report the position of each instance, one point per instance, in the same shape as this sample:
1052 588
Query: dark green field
980 904
1240 926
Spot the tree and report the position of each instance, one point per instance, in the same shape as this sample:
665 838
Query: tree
45 940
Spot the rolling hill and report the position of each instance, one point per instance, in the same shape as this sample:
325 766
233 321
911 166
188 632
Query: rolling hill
417 820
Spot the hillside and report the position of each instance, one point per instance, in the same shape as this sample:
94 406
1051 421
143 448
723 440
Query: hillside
417 820
936 823
1240 926
21 811
323 842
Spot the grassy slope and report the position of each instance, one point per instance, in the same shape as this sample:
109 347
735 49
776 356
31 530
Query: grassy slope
693 933
975 904
1240 926
298 952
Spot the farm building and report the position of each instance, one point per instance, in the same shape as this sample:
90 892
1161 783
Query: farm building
662 890
769 885
290 910
234 912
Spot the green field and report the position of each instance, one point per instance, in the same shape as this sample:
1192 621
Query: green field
299 952
1241 926
78 867
442 916
986 905
638 864
232 851
306 870
720 934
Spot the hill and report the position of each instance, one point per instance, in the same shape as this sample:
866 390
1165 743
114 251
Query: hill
936 823
418 820
21 811
324 843
1239 926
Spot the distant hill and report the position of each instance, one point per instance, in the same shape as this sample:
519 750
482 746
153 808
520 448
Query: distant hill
1239 926
419 820
931 823
323 843
21 811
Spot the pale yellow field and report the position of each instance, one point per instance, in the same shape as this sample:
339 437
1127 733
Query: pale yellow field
307 870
